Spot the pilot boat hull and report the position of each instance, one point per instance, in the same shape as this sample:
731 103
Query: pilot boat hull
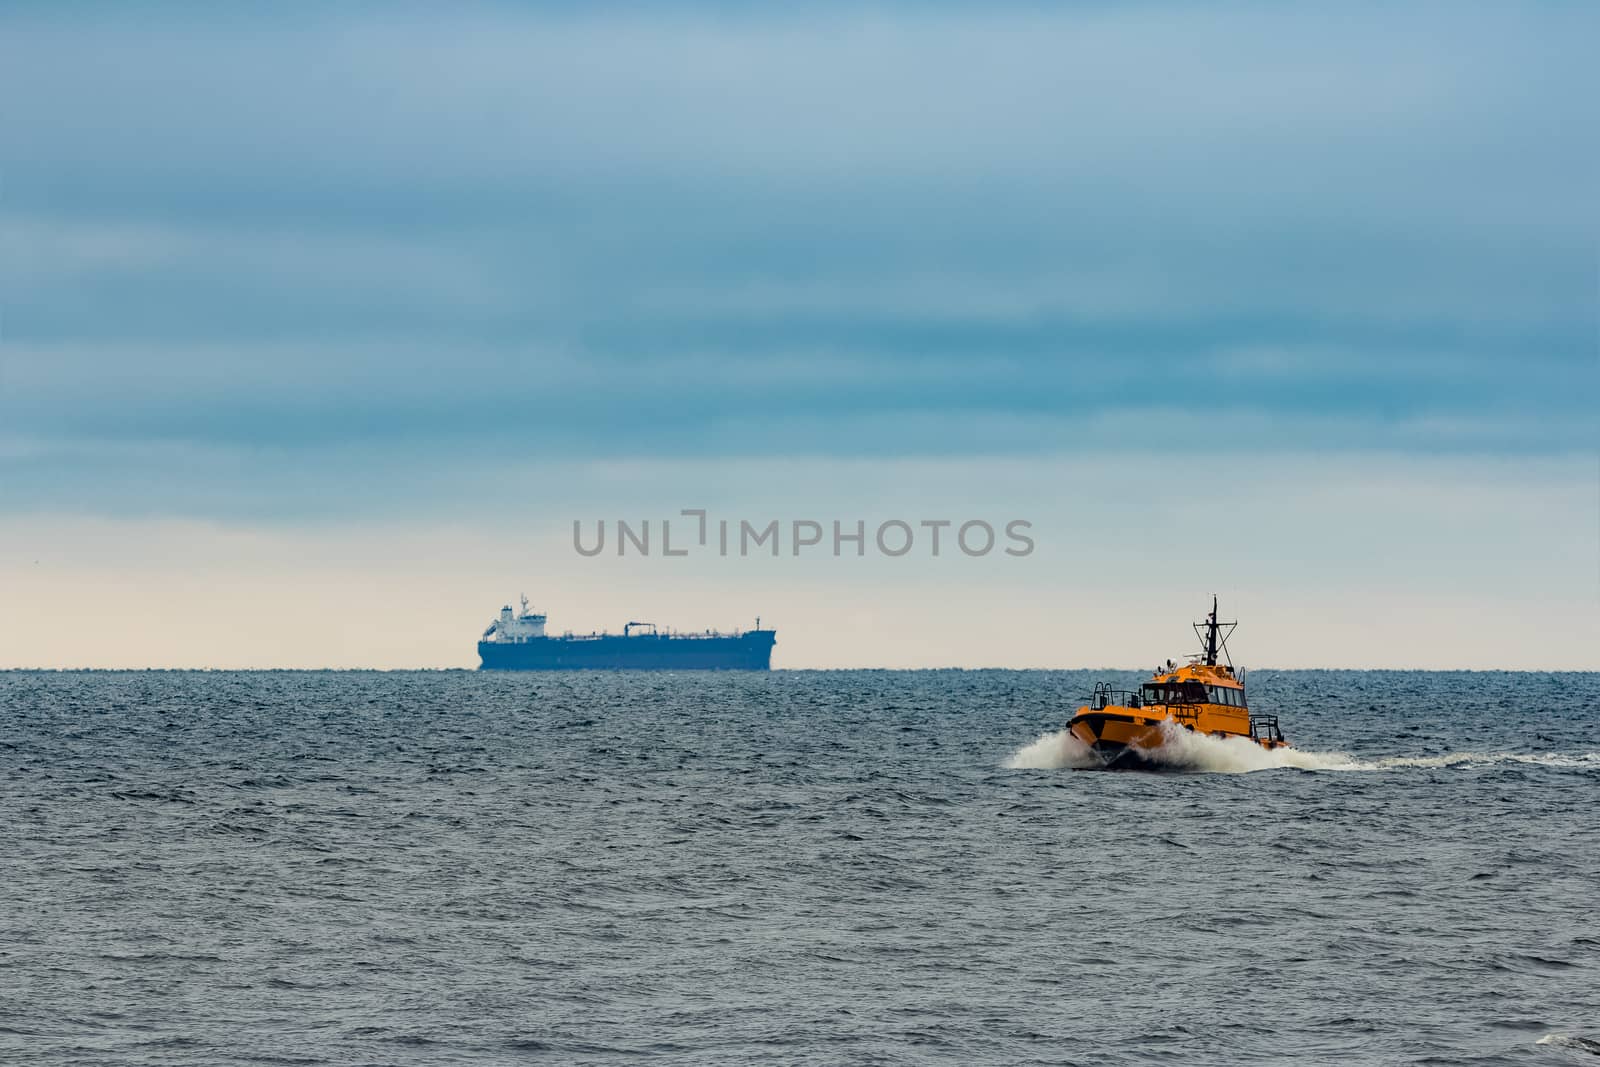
1119 740
1125 739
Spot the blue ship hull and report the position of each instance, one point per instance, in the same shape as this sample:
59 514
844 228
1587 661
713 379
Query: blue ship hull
750 651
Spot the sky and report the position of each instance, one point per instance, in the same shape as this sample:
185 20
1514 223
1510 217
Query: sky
320 326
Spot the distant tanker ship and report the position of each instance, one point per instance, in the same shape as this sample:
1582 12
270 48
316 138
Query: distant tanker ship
517 642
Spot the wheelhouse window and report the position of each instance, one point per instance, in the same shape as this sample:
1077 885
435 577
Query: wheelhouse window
1233 698
1175 693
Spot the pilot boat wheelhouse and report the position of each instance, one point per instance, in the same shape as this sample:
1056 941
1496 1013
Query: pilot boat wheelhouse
1205 696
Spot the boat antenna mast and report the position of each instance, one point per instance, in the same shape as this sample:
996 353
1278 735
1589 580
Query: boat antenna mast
1214 636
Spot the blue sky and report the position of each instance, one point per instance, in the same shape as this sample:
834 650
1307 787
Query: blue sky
320 271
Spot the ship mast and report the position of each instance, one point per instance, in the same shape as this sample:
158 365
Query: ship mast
1214 635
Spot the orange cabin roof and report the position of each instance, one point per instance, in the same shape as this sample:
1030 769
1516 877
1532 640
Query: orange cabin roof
1200 672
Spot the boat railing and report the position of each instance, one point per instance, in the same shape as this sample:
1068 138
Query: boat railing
1104 696
1265 728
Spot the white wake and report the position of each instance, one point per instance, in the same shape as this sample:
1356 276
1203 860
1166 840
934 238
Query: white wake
1182 750
1568 1041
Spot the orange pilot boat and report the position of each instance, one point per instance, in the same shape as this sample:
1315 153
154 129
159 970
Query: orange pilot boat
1125 728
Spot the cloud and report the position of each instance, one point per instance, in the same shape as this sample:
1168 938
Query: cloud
487 96
384 241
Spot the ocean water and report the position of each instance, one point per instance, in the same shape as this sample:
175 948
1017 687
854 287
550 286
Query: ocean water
794 868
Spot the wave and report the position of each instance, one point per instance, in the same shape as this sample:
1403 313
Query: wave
1051 752
1580 1044
1182 750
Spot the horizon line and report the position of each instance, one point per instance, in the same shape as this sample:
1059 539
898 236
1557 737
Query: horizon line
774 670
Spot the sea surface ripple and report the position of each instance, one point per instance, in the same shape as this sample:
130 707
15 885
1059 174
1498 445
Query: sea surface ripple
797 868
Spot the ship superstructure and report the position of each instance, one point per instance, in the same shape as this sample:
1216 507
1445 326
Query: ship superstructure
517 641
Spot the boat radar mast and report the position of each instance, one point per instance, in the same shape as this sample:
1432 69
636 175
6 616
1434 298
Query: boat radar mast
1214 636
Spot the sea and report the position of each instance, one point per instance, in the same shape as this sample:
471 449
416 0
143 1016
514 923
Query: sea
858 867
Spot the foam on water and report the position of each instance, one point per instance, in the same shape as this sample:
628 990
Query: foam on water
1183 750
1578 1044
1053 751
1180 750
